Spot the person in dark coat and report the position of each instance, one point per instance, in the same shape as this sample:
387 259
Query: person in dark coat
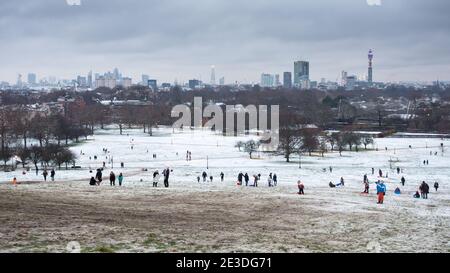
45 174
275 180
204 175
436 186
424 190
166 177
240 178
247 179
112 179
98 176
93 182
403 181
52 174
222 176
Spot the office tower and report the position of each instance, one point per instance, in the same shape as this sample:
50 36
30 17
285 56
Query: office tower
89 79
213 75
193 84
267 80
81 81
287 80
32 79
153 84
19 80
301 72
222 81
145 79
277 80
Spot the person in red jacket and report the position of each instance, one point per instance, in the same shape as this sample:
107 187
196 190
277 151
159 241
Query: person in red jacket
301 188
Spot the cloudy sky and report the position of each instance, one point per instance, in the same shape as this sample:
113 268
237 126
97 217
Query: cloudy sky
181 39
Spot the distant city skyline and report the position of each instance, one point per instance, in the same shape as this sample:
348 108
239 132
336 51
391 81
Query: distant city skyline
179 40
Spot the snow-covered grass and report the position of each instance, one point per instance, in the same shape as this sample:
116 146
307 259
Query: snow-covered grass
397 222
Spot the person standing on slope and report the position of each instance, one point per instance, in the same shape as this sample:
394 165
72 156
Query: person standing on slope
120 179
112 179
166 177
381 191
52 174
436 186
301 188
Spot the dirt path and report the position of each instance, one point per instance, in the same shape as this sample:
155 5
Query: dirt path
45 217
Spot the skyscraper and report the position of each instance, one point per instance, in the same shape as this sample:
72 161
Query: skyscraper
267 80
145 79
31 79
90 80
213 75
301 72
370 72
287 80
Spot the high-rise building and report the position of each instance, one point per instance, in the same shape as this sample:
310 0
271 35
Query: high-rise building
116 74
267 80
81 81
32 80
287 80
301 72
193 84
277 80
213 75
370 72
153 84
145 79
19 81
222 81
89 79
127 82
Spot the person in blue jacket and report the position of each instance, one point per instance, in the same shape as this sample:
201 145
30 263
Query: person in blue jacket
381 191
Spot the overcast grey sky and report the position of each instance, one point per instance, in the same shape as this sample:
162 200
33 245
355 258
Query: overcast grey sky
181 39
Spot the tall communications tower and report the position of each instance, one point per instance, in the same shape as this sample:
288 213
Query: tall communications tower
370 74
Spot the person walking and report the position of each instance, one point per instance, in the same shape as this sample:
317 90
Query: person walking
52 174
436 186
269 181
204 175
222 176
112 179
403 181
45 174
275 180
120 179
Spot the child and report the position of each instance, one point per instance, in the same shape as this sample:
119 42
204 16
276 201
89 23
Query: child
301 188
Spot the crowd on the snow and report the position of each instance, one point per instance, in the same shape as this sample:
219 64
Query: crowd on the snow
244 179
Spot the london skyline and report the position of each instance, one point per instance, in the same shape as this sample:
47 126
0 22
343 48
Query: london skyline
171 40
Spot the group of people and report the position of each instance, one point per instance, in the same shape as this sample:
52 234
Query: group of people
272 180
188 156
340 184
97 180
